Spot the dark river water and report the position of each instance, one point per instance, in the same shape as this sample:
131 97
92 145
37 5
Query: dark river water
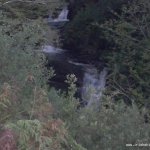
90 83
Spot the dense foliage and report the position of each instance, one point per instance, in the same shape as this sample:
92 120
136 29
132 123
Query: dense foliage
34 116
118 34
80 36
27 119
130 57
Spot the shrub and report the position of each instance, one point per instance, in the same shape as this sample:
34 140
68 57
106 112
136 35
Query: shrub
129 58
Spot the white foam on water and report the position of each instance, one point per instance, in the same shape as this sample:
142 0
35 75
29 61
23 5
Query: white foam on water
93 86
51 49
63 14
78 64
62 18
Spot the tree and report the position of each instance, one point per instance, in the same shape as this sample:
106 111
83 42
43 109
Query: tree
129 58
27 117
80 36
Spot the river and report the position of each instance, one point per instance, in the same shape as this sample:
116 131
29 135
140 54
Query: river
91 82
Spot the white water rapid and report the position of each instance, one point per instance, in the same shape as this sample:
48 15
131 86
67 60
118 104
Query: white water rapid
93 82
93 86
52 50
61 19
63 14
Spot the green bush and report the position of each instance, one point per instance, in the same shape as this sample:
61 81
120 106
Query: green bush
25 107
129 58
48 119
112 127
81 37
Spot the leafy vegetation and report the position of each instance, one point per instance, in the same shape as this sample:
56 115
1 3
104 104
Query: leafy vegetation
117 33
24 104
80 36
129 58
34 116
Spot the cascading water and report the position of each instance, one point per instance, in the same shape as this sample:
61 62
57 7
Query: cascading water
93 86
63 14
60 20
93 83
52 50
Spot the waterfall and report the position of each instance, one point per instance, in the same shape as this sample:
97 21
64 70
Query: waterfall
93 85
60 20
63 14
